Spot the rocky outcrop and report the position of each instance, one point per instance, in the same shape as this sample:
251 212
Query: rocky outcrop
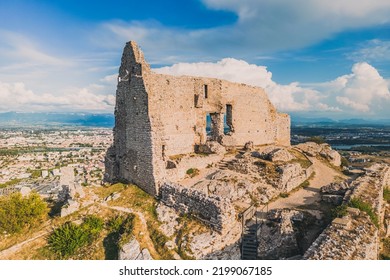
168 218
132 251
355 235
276 154
291 176
70 207
212 245
325 150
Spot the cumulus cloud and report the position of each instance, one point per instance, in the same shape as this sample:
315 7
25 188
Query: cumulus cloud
262 27
17 97
362 91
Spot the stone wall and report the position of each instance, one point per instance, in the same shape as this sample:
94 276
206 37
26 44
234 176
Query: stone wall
158 116
355 236
216 211
130 159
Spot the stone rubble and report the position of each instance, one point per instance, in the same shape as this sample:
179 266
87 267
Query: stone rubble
132 251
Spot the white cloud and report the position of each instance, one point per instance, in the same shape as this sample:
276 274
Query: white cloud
363 92
263 26
16 97
23 51
374 50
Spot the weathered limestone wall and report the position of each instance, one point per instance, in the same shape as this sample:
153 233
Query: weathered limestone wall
158 116
214 210
355 236
131 157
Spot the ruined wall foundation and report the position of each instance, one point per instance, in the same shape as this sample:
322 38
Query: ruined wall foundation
158 117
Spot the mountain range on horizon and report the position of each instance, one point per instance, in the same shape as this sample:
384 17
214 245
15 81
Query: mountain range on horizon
108 120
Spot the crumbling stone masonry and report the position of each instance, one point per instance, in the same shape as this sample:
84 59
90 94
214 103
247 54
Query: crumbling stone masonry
214 210
160 116
354 236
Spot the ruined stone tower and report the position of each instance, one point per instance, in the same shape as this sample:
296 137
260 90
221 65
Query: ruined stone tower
158 117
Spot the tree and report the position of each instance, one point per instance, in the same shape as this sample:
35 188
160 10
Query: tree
18 213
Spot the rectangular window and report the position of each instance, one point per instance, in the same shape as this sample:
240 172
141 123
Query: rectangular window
228 124
205 91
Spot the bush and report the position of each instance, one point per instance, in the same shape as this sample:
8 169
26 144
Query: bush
365 207
18 213
316 139
284 195
93 225
344 162
69 238
192 172
126 230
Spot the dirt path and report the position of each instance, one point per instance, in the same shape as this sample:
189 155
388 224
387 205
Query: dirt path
309 195
5 254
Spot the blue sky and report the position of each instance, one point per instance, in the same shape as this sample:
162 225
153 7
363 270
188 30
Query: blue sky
313 57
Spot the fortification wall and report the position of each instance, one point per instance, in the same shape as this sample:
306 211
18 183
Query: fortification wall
158 116
355 236
131 157
216 211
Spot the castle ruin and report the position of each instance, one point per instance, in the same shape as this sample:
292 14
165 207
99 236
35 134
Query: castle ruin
160 117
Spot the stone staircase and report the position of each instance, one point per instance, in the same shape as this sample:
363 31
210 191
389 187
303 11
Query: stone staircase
249 242
224 164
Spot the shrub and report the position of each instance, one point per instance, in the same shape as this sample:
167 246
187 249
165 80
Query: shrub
284 195
344 162
365 207
93 225
316 139
18 213
192 172
126 230
69 238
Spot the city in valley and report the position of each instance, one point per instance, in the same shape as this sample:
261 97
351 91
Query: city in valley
34 158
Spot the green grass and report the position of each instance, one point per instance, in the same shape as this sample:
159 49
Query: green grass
339 212
385 254
192 172
386 194
69 239
159 240
10 183
365 207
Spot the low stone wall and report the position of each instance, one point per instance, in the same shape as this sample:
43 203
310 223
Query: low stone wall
355 236
216 211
